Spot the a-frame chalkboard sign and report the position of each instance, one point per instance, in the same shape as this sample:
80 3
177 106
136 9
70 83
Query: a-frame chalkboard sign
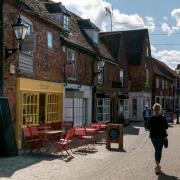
7 137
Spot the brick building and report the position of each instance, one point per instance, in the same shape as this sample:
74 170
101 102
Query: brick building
138 54
134 60
119 74
35 88
164 85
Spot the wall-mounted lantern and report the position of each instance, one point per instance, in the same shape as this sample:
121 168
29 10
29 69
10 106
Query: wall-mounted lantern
101 64
20 31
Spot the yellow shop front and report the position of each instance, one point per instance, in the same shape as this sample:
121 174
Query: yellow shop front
37 102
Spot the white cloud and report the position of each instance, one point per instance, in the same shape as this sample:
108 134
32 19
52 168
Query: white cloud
176 14
169 57
165 18
95 10
150 23
166 28
172 29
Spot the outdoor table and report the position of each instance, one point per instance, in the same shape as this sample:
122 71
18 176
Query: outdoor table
85 131
98 126
80 131
90 131
51 135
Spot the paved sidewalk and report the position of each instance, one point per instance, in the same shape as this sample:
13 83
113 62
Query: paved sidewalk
136 163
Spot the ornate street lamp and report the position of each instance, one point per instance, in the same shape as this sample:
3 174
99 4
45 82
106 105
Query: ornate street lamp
20 31
101 63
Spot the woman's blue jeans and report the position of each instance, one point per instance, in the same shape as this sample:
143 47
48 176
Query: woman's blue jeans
158 146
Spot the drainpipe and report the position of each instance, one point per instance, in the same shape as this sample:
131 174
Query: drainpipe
1 47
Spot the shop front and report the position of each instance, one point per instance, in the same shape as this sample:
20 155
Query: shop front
78 104
37 102
137 103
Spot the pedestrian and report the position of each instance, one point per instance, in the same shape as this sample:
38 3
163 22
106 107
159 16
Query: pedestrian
146 115
157 125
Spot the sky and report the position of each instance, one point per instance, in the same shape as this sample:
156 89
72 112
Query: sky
162 18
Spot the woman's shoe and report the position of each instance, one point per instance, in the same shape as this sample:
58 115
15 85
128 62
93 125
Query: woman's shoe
157 170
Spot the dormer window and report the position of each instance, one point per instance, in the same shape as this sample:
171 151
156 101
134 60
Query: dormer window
66 22
93 35
90 29
95 38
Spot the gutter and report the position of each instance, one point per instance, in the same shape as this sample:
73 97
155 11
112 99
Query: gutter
1 47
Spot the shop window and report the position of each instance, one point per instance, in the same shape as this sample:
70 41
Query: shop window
76 111
30 109
52 108
103 109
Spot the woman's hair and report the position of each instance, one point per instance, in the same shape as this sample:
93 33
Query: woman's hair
157 105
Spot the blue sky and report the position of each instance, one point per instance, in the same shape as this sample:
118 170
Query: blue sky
161 17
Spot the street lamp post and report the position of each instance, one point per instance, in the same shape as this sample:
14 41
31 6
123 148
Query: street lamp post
177 90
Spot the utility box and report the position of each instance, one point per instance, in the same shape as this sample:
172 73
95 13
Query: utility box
114 134
7 136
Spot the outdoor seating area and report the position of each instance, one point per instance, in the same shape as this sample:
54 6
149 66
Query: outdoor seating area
44 139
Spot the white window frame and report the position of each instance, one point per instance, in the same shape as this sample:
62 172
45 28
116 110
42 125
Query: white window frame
71 59
105 109
157 83
66 22
166 84
100 74
49 39
163 84
121 77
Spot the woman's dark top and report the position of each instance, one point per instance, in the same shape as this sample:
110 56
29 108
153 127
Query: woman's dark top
157 126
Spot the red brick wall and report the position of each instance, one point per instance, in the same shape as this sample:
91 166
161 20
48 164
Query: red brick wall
138 73
48 63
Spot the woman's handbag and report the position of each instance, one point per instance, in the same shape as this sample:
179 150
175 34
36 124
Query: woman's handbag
165 142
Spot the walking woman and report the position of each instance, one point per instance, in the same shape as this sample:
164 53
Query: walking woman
157 125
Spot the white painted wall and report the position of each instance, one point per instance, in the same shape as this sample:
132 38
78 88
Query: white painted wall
141 101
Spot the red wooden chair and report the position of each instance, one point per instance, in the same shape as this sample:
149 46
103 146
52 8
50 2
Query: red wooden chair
30 143
101 130
86 136
64 144
38 137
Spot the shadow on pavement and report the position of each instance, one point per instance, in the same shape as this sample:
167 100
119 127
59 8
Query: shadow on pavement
137 123
117 150
164 176
131 130
170 125
8 166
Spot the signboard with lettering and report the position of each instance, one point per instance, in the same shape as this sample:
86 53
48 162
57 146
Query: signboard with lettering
114 134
